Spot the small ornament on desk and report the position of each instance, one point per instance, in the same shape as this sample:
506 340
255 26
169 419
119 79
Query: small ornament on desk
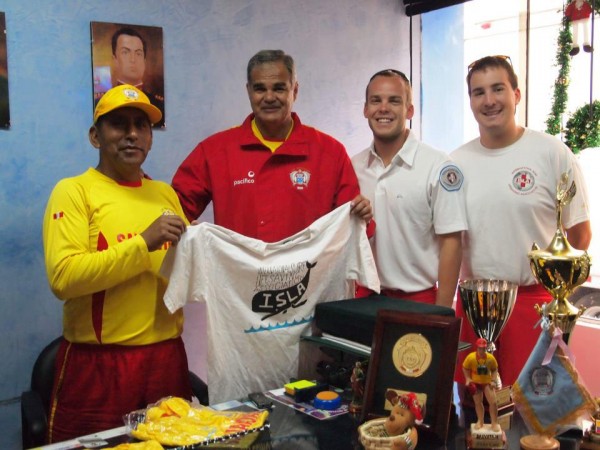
357 381
398 431
481 377
591 439
327 400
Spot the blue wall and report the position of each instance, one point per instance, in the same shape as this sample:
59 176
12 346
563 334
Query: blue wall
337 45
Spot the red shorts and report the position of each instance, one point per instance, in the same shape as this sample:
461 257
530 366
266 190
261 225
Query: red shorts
473 388
516 342
425 296
95 385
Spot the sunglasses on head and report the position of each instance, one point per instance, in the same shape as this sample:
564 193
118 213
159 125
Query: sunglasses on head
497 57
389 71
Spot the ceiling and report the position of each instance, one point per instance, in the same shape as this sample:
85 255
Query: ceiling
414 7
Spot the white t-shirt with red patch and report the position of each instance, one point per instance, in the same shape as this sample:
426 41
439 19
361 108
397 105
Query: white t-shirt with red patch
511 203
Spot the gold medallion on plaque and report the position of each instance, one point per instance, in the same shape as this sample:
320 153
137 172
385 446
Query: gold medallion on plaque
412 355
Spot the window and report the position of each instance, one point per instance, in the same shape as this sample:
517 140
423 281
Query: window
501 28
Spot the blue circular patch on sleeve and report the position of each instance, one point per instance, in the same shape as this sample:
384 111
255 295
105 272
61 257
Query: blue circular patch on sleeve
451 178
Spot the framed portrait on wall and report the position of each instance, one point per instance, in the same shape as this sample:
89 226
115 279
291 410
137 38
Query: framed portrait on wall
4 105
416 353
128 54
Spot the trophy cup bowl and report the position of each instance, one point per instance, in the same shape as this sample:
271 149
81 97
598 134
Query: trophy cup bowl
560 268
488 305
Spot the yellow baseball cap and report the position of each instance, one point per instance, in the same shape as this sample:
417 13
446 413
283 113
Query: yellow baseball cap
126 95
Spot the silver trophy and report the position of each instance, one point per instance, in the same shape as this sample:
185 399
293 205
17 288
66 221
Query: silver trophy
488 305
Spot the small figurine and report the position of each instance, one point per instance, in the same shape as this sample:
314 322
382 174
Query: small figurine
593 434
397 431
579 12
481 374
357 380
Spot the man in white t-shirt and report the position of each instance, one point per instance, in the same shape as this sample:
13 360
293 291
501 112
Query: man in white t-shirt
260 297
511 176
417 197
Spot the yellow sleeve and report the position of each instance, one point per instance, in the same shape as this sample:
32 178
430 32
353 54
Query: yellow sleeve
73 265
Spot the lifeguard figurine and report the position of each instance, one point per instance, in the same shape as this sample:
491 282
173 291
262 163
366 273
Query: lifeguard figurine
481 374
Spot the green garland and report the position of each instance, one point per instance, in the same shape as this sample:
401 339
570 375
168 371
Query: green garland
559 104
580 124
583 130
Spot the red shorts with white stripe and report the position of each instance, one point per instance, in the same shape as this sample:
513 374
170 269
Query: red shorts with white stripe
95 385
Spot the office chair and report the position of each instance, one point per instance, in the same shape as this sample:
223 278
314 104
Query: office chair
35 403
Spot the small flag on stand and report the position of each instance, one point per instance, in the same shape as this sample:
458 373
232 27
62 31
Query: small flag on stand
549 394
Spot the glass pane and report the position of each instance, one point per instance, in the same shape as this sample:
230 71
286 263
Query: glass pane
491 28
500 28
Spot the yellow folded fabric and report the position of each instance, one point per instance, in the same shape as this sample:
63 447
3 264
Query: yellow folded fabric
174 421
146 445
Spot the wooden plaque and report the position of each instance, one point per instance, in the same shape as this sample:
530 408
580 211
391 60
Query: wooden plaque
415 353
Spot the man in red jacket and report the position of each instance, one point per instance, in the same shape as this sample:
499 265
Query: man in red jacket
272 176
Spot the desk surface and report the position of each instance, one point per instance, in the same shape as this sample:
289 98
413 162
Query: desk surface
293 430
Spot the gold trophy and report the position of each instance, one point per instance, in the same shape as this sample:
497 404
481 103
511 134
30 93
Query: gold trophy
488 305
560 268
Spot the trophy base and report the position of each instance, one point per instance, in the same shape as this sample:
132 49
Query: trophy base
538 442
485 437
586 444
591 441
354 408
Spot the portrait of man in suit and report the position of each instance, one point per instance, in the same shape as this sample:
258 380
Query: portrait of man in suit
128 54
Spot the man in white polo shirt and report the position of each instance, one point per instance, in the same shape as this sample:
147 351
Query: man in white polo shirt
417 197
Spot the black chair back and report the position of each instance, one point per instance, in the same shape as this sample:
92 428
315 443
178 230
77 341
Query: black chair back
35 403
42 376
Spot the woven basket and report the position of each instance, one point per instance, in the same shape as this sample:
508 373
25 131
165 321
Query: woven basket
374 437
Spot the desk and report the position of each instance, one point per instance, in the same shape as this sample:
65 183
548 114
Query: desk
289 430
293 430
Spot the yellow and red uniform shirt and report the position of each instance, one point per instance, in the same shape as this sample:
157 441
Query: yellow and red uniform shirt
98 263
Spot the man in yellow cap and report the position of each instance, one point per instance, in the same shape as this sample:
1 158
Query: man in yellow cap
106 233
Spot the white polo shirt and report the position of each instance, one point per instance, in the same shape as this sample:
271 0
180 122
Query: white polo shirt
417 197
511 202
260 297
